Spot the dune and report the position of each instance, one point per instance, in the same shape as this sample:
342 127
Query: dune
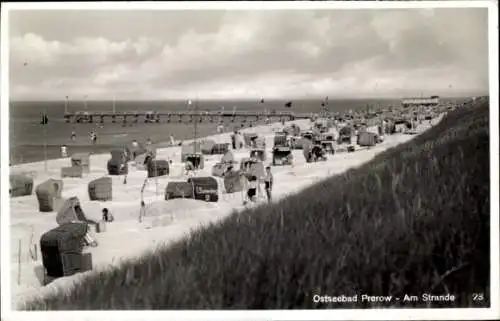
165 221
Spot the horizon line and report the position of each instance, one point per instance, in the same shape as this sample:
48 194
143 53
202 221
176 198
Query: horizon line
248 99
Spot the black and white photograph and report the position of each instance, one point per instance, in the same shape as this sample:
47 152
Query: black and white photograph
275 160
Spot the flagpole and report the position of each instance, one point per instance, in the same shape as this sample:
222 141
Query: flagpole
45 139
221 115
195 124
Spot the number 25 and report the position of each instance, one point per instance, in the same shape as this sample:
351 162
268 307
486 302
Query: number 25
477 297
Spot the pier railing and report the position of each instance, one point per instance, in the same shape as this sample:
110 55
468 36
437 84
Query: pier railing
181 117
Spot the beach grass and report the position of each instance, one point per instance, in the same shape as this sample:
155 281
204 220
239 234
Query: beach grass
413 220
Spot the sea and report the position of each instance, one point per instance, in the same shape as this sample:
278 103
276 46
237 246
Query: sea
30 141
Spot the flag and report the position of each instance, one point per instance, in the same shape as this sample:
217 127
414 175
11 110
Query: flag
288 104
324 103
45 119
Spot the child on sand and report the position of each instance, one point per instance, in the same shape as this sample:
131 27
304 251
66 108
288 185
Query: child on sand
107 216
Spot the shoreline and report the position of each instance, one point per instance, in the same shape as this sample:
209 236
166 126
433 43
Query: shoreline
54 150
161 145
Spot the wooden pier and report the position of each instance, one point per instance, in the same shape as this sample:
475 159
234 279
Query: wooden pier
179 117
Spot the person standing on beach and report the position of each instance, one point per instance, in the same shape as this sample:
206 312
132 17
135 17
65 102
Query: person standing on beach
252 188
268 182
244 185
135 145
93 137
148 158
288 140
142 211
233 139
73 135
64 151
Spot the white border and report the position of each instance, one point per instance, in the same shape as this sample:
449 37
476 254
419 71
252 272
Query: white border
4 158
381 314
494 159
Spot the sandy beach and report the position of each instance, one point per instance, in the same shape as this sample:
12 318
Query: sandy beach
166 221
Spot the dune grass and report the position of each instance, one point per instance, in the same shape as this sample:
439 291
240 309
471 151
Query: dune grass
414 220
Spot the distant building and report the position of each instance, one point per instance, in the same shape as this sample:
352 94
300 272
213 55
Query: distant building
421 101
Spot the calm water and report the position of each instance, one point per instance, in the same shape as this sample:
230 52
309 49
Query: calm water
27 135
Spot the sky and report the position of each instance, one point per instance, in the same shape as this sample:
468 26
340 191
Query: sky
155 55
